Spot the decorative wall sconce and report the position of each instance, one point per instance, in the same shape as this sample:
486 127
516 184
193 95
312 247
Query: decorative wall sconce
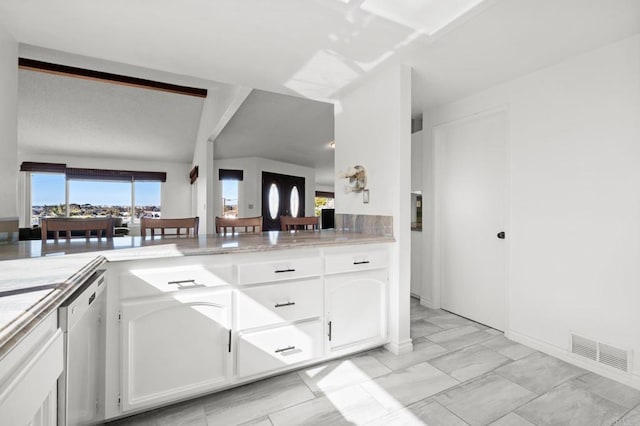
357 176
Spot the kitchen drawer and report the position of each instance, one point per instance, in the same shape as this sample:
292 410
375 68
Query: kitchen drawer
159 280
356 261
268 350
276 303
279 269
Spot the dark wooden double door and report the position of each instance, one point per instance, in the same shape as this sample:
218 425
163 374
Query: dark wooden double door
281 195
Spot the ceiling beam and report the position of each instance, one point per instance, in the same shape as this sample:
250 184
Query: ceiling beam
83 73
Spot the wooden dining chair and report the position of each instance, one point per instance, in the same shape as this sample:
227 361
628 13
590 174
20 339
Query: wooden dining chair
226 225
91 227
186 223
288 223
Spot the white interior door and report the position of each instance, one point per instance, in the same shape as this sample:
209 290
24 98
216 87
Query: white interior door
472 195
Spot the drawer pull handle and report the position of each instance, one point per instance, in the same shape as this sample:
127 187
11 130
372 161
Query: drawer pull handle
280 271
288 348
280 305
360 262
180 283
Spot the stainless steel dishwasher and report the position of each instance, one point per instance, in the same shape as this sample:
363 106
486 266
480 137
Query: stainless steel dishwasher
81 386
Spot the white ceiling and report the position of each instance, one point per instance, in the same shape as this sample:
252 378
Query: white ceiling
513 38
282 128
63 115
320 48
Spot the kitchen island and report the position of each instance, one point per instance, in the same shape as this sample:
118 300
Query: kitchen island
230 282
35 277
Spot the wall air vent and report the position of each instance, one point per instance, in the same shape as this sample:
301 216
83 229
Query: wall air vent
584 347
613 357
600 352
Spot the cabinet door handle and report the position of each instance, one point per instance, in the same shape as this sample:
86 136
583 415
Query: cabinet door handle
360 262
329 330
229 340
288 348
280 271
280 305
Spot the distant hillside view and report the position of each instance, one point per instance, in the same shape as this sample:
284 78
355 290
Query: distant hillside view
89 210
90 198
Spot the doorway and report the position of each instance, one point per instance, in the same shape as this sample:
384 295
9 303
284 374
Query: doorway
471 192
282 195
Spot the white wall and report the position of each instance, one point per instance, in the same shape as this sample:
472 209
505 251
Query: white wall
416 236
574 240
325 188
416 161
373 130
426 293
176 191
221 104
250 189
8 125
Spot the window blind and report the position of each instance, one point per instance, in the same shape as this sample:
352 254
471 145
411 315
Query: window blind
94 174
228 174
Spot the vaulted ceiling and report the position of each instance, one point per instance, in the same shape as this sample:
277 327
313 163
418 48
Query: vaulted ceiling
321 48
315 49
71 116
282 128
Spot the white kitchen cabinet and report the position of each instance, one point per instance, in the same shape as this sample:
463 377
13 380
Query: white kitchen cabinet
28 375
270 350
362 259
174 346
198 324
356 306
271 304
279 268
156 280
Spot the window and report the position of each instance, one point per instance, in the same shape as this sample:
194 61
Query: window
229 198
90 198
59 191
147 200
48 196
323 200
294 202
274 201
229 184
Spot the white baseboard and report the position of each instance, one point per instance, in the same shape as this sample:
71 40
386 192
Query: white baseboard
400 348
426 302
628 379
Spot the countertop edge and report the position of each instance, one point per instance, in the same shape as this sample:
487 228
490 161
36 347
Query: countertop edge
121 255
18 329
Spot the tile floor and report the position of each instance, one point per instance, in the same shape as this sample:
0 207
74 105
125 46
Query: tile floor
460 373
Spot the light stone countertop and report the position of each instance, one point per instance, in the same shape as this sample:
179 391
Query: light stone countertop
35 278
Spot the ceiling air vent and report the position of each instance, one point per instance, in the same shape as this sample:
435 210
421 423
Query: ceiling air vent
600 352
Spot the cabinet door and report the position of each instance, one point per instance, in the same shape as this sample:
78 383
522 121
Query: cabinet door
28 395
356 309
174 347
